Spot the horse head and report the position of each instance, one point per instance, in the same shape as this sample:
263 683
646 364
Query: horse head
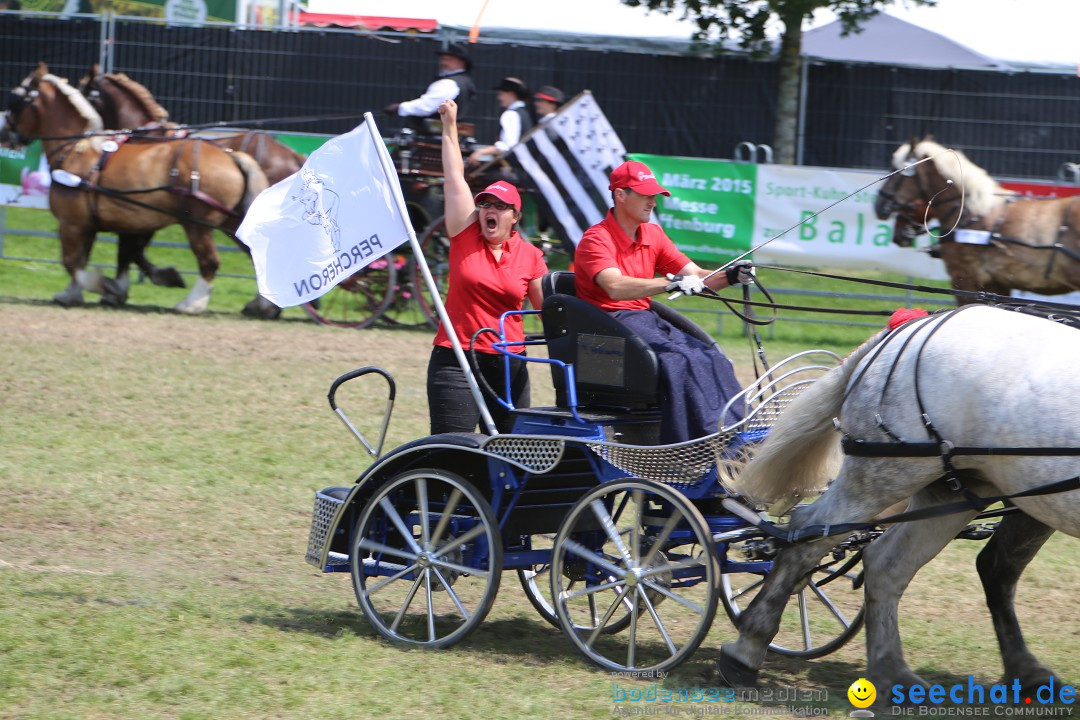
122 103
902 195
46 106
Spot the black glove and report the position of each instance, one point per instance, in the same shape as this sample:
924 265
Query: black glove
687 285
741 273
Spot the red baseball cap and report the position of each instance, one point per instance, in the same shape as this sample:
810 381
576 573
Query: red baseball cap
502 191
638 177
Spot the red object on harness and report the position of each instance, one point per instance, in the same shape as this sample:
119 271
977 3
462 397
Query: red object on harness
903 315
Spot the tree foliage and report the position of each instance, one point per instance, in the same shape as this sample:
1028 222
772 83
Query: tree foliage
746 23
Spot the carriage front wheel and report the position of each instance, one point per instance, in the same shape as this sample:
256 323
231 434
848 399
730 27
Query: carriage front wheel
640 550
826 609
426 558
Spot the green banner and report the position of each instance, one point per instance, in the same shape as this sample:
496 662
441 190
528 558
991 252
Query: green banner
710 214
175 10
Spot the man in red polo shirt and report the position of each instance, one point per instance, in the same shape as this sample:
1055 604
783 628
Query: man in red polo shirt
616 264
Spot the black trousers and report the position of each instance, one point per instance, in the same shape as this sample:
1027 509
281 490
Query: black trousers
450 404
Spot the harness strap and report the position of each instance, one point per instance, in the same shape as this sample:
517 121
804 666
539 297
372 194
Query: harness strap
812 532
867 448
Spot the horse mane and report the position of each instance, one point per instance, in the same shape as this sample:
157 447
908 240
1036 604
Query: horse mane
94 123
982 193
141 94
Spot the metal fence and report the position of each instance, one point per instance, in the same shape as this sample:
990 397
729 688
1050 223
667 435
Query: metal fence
1014 124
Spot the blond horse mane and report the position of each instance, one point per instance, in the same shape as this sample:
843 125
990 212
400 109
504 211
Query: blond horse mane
982 193
94 123
152 107
801 453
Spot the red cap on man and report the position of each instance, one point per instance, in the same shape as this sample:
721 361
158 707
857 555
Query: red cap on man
638 177
502 191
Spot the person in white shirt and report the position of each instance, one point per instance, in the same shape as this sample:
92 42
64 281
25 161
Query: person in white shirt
452 83
514 121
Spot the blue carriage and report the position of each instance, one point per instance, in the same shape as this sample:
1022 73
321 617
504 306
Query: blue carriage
626 545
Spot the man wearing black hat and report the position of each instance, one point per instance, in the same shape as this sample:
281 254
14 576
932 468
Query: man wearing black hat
452 83
514 121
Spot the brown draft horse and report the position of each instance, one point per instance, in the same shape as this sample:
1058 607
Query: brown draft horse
1018 243
125 104
129 188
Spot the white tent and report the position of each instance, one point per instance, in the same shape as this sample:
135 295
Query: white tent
889 40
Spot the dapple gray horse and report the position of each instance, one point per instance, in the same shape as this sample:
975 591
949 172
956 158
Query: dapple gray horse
976 377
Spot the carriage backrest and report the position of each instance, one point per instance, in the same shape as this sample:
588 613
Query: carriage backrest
614 366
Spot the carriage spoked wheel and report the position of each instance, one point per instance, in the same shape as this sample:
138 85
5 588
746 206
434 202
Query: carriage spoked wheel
426 558
825 610
536 582
640 549
359 300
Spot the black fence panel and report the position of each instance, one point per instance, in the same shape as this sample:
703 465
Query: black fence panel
69 47
1011 124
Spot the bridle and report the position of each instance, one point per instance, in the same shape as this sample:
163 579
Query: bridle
916 212
19 99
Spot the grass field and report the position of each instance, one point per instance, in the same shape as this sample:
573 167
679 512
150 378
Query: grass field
156 482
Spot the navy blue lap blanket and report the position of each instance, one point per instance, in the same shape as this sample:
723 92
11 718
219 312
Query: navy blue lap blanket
696 380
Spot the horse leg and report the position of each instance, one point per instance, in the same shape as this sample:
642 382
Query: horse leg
116 291
201 240
160 276
1012 546
890 562
855 496
259 307
75 244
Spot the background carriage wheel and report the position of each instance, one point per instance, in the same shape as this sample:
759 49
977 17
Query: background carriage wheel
536 582
358 300
826 609
643 542
435 244
426 558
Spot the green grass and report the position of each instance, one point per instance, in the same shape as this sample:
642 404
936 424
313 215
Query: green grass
793 330
156 480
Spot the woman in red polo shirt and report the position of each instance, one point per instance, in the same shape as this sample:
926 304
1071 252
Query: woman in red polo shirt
492 270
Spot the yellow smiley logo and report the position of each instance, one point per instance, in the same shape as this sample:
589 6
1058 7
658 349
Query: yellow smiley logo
862 693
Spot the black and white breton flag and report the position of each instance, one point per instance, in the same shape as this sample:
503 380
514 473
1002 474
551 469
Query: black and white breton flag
567 160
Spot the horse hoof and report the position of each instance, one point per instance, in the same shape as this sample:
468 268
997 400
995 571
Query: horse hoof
115 294
114 301
261 309
734 673
192 308
167 277
68 300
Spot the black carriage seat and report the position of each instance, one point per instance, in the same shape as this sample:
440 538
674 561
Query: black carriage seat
614 366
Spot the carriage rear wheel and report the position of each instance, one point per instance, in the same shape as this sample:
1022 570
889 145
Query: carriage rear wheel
826 609
638 548
426 558
359 300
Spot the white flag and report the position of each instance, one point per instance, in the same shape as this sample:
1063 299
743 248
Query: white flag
568 159
335 216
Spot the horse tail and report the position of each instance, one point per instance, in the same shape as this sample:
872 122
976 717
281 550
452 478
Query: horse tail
801 453
254 180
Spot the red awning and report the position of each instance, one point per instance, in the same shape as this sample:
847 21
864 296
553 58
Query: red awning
371 22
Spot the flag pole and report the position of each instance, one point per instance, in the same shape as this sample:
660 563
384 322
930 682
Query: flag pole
391 175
